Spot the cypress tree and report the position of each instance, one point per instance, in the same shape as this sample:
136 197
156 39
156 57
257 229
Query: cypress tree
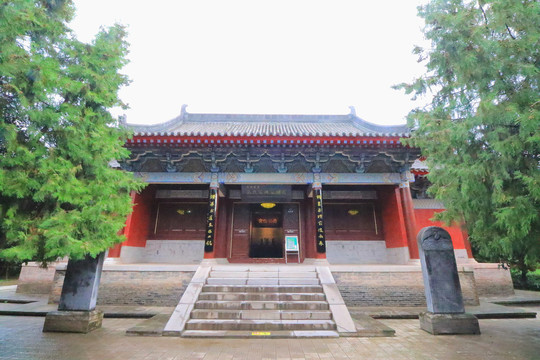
58 195
480 133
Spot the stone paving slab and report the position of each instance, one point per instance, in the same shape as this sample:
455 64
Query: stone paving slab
520 297
483 311
150 327
21 338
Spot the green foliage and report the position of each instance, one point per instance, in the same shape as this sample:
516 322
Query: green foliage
480 133
532 281
58 196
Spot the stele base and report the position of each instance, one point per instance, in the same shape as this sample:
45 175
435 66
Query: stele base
73 321
449 324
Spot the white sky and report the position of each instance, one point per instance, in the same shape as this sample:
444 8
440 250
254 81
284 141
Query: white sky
263 56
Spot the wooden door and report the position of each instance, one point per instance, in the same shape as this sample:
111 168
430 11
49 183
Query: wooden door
240 232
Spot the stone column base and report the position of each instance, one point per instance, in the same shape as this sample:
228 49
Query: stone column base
73 321
448 324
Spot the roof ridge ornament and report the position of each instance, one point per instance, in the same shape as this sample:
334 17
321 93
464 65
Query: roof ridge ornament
353 111
183 111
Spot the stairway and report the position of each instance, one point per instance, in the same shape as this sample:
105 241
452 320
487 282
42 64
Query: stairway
261 301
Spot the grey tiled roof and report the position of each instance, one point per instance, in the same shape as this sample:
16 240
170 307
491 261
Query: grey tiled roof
188 124
419 165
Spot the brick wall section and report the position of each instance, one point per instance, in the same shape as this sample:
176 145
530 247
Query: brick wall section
394 288
34 279
155 288
492 281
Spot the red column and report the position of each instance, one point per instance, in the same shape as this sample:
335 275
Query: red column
395 233
410 219
114 252
138 222
309 233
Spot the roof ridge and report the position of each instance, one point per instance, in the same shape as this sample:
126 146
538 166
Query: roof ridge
269 123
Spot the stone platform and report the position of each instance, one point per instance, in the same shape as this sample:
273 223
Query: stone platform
360 285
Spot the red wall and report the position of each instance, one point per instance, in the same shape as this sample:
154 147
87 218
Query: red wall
138 223
394 230
114 252
459 236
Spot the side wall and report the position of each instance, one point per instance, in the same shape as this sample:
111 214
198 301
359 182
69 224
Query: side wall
425 210
35 279
143 246
125 286
492 280
394 288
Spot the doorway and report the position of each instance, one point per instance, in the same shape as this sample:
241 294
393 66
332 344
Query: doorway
257 234
266 238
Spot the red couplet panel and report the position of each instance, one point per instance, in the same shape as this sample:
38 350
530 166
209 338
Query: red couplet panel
459 236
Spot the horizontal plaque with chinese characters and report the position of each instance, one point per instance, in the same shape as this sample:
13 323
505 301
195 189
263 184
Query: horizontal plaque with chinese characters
262 193
181 194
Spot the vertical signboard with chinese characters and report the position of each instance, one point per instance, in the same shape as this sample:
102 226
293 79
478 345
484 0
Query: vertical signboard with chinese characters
211 221
319 221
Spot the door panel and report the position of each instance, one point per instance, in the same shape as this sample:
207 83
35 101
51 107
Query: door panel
240 232
291 221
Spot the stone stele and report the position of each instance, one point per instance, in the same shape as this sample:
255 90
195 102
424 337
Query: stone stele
446 312
76 310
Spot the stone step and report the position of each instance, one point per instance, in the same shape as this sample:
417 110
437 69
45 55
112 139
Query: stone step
283 334
262 314
262 274
261 305
262 281
261 296
259 325
263 288
265 268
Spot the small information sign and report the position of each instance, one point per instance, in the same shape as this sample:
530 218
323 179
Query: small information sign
291 243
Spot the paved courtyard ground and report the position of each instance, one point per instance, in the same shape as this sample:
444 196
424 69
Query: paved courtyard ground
504 339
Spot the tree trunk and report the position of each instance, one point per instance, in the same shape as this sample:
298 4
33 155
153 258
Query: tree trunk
524 272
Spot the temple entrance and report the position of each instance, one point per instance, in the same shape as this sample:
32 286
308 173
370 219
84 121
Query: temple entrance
266 240
259 230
